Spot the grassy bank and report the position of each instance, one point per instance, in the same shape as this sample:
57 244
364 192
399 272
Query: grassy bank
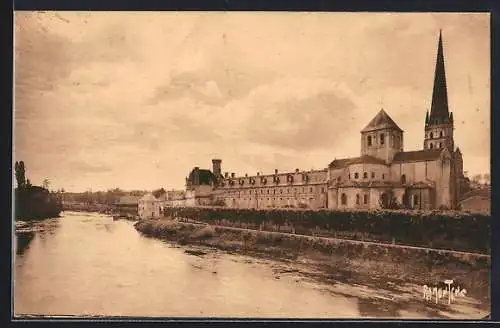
340 259
434 229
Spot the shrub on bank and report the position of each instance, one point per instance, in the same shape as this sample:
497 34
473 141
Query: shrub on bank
452 230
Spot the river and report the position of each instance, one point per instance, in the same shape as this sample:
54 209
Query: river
85 264
88 264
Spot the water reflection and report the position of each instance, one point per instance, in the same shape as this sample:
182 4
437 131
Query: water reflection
92 265
23 241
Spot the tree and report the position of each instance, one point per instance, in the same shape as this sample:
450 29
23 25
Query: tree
159 192
487 179
20 174
46 183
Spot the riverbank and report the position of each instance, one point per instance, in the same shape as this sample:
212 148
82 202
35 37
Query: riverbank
390 276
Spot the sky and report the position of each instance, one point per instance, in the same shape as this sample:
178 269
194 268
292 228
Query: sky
135 100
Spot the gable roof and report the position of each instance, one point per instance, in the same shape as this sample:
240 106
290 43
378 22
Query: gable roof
365 159
148 198
417 156
381 121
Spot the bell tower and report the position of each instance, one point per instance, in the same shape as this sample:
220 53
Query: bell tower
439 124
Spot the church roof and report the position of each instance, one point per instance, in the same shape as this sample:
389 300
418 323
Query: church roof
439 108
365 159
381 121
417 156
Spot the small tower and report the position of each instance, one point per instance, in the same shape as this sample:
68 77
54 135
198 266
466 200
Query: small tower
439 124
382 138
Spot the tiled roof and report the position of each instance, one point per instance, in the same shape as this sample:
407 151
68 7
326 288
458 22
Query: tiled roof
482 192
417 156
365 159
381 121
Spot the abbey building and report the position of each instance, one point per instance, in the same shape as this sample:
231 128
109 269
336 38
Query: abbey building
383 175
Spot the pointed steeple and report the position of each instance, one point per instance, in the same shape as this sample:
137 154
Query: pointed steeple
439 108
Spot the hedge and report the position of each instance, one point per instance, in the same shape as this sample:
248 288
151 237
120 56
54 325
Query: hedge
449 230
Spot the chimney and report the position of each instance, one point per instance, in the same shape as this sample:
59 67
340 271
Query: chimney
296 170
232 175
216 166
226 175
275 171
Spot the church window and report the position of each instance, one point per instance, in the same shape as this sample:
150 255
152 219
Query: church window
403 179
311 189
373 175
343 199
432 135
440 145
441 134
431 146
365 199
356 175
369 141
383 176
415 200
365 175
357 199
322 189
382 138
349 176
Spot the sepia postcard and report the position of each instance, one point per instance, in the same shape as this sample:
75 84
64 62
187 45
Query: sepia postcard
292 165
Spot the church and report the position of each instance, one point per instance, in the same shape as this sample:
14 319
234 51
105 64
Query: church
383 176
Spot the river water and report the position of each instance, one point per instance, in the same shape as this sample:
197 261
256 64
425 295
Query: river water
88 264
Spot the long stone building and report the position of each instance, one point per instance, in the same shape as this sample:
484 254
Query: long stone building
383 174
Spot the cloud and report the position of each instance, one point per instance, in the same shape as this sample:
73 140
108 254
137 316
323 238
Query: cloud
79 167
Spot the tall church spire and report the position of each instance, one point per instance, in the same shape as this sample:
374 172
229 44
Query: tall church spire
439 108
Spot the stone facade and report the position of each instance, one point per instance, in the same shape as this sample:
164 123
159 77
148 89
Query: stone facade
382 176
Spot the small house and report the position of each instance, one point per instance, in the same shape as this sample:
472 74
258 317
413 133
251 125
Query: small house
149 207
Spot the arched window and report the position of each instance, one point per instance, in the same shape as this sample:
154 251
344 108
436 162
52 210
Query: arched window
356 175
431 146
441 134
382 138
369 139
383 176
415 200
343 199
365 175
365 199
357 199
440 145
403 179
432 135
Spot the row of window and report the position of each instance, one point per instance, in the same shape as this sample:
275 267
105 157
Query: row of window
431 145
343 199
268 199
365 175
281 191
441 134
370 141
